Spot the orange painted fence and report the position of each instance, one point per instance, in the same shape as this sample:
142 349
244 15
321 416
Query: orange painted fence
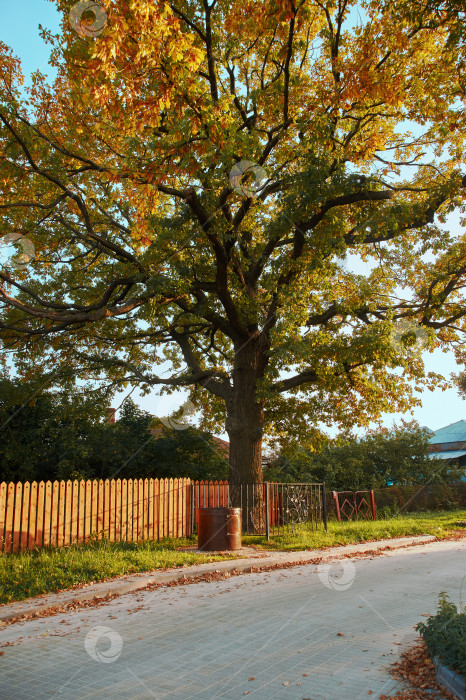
208 494
61 513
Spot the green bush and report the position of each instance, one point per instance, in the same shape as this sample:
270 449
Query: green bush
445 635
387 512
444 498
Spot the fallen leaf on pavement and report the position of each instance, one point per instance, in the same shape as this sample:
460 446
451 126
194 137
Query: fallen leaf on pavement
417 670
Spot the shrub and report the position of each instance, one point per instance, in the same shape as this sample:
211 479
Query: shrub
445 634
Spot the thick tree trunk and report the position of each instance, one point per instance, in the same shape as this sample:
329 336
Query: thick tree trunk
244 424
245 433
245 417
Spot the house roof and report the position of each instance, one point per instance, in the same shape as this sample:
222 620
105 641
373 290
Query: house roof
223 445
455 432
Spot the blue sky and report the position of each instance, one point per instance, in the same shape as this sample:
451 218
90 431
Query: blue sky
19 22
19 29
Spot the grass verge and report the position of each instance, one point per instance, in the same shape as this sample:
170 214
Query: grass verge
46 570
441 524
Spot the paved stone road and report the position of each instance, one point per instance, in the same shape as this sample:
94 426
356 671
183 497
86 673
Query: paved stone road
297 634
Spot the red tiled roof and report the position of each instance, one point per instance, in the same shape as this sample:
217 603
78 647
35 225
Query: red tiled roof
223 445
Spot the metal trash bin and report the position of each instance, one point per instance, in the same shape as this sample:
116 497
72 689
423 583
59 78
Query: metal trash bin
219 529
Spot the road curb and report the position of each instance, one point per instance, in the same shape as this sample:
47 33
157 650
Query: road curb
453 682
36 607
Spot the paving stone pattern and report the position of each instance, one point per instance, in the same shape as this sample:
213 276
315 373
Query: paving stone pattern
282 634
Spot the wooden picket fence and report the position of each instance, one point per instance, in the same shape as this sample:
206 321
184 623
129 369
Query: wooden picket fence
208 494
62 513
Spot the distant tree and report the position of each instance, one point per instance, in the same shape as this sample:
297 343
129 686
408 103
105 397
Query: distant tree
191 453
47 434
397 456
127 450
64 435
462 383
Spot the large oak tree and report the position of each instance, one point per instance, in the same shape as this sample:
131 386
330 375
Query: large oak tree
252 191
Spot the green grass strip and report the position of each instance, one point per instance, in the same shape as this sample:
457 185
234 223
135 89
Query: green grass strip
46 570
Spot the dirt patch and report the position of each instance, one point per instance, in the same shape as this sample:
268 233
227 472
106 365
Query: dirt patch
246 552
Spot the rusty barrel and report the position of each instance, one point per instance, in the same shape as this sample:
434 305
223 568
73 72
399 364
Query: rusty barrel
219 529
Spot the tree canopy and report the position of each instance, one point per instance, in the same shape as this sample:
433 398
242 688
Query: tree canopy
252 192
384 457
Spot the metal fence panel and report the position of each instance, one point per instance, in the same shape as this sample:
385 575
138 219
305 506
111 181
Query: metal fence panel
273 508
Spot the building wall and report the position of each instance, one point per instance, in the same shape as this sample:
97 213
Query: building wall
447 446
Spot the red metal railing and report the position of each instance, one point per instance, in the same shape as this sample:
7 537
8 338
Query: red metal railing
355 505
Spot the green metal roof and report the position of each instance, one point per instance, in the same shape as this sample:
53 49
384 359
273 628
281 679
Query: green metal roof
455 432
